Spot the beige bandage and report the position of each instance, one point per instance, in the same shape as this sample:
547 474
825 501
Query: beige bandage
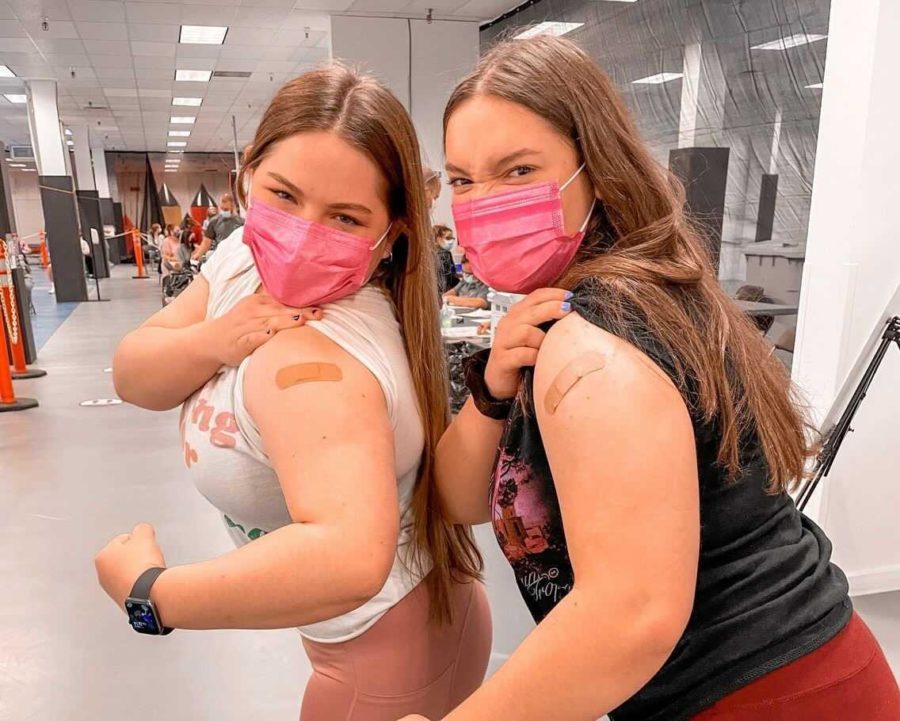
307 373
570 375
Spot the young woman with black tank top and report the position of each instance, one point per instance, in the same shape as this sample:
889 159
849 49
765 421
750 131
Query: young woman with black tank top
646 450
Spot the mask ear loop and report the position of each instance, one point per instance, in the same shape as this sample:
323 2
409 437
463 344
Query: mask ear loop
381 239
574 175
565 185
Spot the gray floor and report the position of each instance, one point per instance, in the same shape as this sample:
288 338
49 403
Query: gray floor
70 479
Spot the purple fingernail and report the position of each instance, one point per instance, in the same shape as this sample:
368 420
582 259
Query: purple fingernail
296 317
569 295
566 307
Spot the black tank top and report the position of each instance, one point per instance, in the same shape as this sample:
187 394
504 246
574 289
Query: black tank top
766 592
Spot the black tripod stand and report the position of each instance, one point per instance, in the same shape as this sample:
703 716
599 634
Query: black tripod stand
836 435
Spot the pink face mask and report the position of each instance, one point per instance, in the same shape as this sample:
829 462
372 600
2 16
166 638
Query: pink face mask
516 241
302 263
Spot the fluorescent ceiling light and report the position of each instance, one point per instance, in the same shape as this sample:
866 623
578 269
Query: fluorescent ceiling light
791 41
203 34
28 170
68 132
70 142
182 119
815 86
176 143
17 165
187 101
196 76
658 79
179 133
18 99
5 72
548 28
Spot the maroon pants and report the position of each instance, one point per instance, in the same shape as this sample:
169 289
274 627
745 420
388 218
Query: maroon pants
846 679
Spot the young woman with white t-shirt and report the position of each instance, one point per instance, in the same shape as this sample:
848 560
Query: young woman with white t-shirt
310 430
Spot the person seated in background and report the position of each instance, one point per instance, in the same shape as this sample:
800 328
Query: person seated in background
446 270
157 237
469 292
176 254
225 222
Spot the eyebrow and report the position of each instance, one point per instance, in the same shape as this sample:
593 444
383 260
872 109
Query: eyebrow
334 206
505 160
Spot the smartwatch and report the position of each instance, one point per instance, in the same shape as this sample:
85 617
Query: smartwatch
142 614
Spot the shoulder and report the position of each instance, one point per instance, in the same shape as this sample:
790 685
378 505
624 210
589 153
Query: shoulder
602 368
306 346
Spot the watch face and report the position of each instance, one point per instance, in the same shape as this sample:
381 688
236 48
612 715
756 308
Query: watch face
142 617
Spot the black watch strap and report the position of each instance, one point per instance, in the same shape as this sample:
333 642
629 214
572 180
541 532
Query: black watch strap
486 404
145 582
142 586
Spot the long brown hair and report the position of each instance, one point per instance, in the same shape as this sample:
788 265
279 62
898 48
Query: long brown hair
651 263
365 114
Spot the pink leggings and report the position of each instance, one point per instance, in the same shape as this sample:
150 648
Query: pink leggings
404 664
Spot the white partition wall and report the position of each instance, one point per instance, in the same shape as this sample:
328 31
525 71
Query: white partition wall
421 62
852 270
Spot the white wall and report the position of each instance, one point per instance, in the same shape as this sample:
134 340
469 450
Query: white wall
26 197
852 269
428 58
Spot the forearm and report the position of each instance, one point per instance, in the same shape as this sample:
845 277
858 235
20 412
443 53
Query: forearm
201 249
580 662
158 368
477 303
295 576
464 459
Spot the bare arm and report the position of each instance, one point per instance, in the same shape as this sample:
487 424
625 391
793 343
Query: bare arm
477 303
632 525
463 462
468 448
170 355
202 249
177 350
332 447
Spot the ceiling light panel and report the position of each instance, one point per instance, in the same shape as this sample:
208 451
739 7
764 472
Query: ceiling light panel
195 76
179 133
548 28
203 34
192 102
17 99
5 72
182 119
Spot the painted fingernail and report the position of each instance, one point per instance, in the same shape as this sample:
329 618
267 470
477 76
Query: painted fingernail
569 295
566 307
296 317
268 331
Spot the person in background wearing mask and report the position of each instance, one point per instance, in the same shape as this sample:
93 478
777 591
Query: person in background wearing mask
446 269
220 227
469 292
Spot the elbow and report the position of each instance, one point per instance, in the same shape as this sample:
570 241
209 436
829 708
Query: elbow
367 572
658 629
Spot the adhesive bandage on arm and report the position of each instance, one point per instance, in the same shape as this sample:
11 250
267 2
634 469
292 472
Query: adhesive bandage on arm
307 373
569 376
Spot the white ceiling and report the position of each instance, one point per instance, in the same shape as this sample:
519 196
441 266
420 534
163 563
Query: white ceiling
124 54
